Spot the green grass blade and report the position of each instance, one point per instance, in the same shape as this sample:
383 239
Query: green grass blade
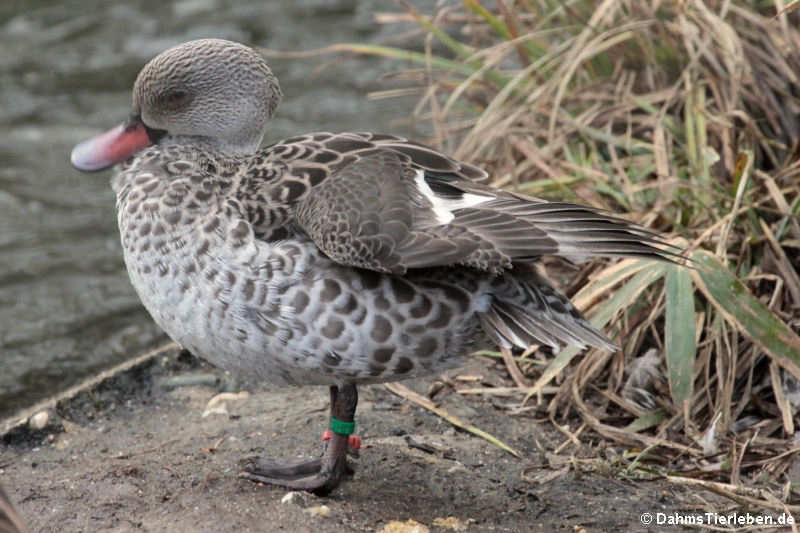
612 276
497 25
679 342
456 47
647 421
532 51
740 308
462 51
625 295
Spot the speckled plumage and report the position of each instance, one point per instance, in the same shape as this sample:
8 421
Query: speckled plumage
323 258
327 258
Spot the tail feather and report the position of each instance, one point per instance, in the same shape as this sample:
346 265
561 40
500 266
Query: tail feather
526 309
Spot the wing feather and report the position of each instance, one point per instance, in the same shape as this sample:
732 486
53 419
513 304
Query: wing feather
387 211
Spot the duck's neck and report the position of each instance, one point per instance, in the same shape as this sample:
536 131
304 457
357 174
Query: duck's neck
214 145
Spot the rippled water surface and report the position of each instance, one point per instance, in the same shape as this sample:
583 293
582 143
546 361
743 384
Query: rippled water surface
66 306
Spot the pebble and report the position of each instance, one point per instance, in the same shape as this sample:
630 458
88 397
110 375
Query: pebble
294 497
39 420
319 510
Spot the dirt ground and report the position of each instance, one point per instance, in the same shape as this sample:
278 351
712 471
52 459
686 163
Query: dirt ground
134 453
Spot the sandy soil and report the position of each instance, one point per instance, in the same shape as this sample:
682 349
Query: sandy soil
134 453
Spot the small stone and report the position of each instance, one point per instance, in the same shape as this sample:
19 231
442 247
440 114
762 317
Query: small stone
294 497
70 427
319 510
39 420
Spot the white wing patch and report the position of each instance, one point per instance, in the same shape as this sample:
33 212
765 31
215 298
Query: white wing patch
444 207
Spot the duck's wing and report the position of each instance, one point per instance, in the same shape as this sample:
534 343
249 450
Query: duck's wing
386 213
284 173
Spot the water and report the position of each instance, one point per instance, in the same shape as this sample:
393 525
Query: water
67 309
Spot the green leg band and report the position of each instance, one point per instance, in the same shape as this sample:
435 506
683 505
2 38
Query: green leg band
342 428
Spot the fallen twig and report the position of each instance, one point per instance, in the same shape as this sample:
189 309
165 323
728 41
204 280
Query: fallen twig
408 394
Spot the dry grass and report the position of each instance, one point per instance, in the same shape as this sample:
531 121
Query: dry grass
685 117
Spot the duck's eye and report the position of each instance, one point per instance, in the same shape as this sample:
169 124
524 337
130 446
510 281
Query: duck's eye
175 97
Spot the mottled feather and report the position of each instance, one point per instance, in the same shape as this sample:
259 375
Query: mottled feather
372 213
331 257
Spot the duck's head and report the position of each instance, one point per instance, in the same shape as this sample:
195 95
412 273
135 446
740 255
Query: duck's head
211 89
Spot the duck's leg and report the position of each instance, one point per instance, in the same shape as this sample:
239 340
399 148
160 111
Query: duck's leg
318 475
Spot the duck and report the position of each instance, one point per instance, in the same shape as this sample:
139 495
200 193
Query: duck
334 259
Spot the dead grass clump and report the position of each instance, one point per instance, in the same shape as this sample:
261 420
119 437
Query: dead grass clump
683 116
